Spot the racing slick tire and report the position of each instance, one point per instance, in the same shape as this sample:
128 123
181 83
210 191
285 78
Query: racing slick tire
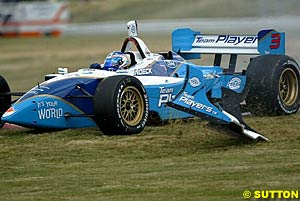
5 101
121 105
274 85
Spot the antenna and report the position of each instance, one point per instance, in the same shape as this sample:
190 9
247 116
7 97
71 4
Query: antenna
132 28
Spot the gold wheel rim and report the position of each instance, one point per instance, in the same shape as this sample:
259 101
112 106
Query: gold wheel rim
288 87
132 106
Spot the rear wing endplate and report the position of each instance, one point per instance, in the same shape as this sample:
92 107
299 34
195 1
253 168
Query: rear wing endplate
191 44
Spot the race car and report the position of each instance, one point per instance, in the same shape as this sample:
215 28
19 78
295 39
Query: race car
134 86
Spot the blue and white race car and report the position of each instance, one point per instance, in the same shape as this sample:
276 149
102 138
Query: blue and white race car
135 86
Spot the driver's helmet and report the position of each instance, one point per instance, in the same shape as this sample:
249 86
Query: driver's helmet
117 60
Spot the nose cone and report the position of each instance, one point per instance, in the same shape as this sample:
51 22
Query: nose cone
21 114
46 111
8 113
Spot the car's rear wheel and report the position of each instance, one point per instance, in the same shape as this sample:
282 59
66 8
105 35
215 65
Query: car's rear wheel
288 87
5 100
274 85
120 105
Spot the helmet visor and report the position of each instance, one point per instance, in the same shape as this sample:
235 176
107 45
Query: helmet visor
113 62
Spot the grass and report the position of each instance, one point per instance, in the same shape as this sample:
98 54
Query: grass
182 161
178 161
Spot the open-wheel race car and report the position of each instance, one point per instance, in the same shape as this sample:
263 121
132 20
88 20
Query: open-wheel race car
135 86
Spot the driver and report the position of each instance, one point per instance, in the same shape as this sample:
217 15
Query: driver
117 60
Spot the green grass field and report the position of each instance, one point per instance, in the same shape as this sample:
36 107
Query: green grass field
183 161
177 161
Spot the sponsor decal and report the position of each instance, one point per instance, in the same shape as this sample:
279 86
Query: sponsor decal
142 71
122 71
38 89
50 113
188 95
147 111
226 39
49 110
194 82
87 71
234 83
166 95
235 40
193 104
171 63
201 39
164 90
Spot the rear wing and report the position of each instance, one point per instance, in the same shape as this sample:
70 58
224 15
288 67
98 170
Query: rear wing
191 44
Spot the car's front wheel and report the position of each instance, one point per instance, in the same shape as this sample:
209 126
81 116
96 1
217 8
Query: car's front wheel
120 105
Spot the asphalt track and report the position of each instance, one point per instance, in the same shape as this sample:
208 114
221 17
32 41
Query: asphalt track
288 24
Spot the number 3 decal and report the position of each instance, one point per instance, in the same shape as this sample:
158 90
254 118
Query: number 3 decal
275 42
